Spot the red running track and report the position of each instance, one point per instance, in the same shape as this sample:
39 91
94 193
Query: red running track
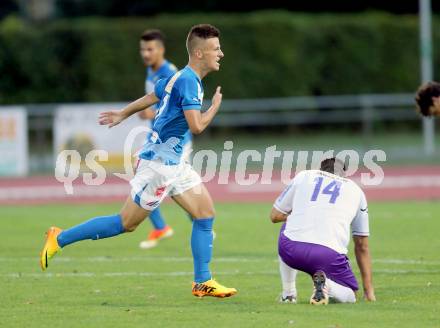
400 183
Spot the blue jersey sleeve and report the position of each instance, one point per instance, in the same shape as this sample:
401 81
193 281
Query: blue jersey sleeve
159 88
170 70
189 93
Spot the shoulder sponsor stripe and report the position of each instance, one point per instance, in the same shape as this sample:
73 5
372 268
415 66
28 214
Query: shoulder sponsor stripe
171 82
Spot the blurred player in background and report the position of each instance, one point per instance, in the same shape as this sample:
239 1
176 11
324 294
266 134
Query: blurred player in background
428 99
152 51
161 170
319 206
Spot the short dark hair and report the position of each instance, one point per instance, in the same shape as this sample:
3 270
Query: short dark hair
333 165
153 34
202 31
424 96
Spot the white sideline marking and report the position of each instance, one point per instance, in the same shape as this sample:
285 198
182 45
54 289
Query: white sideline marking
130 259
404 261
125 274
394 271
176 274
189 259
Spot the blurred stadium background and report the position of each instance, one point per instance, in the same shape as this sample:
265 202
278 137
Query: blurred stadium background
301 75
341 77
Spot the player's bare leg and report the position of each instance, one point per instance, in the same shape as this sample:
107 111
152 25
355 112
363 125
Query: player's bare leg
198 203
132 215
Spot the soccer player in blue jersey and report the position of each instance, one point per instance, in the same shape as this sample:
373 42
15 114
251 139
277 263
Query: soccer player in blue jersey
152 51
161 171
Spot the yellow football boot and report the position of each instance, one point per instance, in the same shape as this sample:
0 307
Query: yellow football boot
51 246
212 288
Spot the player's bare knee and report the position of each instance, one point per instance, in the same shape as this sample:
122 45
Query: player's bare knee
129 227
129 223
204 213
210 213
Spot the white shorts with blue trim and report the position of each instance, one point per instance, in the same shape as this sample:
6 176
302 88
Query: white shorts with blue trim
154 180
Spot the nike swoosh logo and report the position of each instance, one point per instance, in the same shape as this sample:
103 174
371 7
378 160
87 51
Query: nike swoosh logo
364 209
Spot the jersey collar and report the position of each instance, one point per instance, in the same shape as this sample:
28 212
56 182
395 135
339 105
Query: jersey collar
193 72
150 70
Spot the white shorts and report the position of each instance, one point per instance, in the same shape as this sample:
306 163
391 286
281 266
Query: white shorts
186 152
153 181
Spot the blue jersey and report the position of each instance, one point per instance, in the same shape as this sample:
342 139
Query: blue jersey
178 93
166 70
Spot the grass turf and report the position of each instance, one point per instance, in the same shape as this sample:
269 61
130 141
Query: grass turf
112 283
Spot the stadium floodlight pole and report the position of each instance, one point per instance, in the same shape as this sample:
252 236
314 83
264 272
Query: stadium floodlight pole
426 68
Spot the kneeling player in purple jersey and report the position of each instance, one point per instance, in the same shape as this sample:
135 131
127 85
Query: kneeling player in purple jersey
318 208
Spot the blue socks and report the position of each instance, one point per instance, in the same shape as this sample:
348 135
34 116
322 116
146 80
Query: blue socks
156 219
201 246
109 226
97 228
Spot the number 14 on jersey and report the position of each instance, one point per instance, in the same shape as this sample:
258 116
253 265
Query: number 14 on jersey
332 189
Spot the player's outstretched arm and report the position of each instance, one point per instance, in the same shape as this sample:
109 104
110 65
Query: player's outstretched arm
114 117
198 121
362 252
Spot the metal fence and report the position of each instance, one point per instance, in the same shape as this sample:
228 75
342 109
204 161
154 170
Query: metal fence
292 111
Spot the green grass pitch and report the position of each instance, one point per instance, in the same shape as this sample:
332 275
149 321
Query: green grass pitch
113 283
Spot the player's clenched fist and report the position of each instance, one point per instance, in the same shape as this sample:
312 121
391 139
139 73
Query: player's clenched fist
217 98
111 118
